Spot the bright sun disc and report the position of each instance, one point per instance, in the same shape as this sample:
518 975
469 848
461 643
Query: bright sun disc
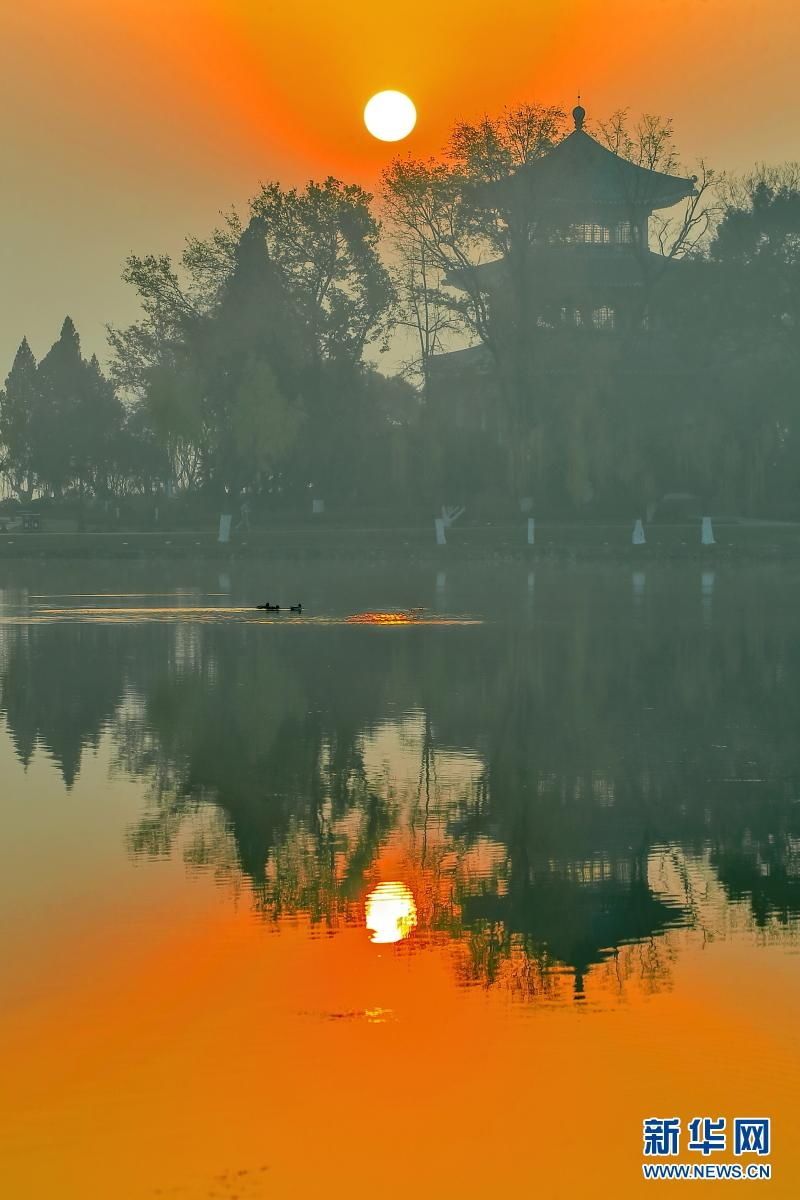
390 116
391 913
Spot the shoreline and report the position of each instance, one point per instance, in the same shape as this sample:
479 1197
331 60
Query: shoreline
498 543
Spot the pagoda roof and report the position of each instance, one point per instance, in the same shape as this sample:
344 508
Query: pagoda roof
570 352
580 172
580 924
467 358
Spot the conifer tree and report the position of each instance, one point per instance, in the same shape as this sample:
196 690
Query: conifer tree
232 385
77 418
58 434
18 409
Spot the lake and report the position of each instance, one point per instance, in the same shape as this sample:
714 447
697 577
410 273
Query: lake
339 903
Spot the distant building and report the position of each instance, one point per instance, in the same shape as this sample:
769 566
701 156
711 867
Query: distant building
588 271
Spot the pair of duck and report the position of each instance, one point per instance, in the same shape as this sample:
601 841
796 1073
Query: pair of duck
295 608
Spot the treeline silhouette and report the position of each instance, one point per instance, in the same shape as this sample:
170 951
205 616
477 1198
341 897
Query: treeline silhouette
250 373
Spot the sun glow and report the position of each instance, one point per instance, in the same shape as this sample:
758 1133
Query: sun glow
385 618
390 116
391 913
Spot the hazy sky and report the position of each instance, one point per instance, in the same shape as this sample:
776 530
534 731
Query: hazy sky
127 124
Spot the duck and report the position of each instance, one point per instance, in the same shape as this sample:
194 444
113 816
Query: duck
269 607
296 608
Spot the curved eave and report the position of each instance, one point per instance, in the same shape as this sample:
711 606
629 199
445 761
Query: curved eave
592 266
580 173
468 358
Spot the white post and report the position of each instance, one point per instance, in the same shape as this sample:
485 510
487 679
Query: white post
531 531
439 527
224 528
707 533
638 533
707 594
638 579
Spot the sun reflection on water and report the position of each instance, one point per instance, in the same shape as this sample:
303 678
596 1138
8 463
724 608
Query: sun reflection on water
391 913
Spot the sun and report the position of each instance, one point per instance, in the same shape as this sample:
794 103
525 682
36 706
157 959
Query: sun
391 913
390 116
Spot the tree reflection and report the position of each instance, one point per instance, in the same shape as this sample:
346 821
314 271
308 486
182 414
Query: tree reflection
585 747
272 738
60 692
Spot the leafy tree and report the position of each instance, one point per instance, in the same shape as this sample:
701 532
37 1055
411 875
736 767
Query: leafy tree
755 280
140 461
758 240
323 245
234 356
99 419
324 241
734 312
224 394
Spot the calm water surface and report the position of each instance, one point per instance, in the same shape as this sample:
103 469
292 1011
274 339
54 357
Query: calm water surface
303 905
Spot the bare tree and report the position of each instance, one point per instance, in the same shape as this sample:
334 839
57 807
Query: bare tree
650 143
422 306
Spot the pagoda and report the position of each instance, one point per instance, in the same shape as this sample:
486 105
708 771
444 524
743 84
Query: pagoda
588 266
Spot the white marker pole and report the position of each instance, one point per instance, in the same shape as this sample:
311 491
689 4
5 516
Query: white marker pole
638 538
439 527
707 533
224 528
531 531
707 593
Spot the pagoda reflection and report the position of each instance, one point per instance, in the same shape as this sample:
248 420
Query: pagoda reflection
526 780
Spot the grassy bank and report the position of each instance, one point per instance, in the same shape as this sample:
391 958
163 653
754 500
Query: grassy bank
495 542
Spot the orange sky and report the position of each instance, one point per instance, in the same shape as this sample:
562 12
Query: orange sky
128 124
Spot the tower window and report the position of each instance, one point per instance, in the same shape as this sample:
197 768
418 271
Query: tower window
594 235
603 317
